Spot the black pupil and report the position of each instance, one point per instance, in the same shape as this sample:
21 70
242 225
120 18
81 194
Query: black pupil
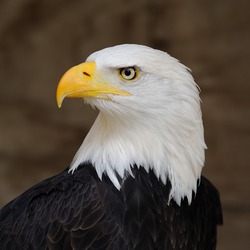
127 72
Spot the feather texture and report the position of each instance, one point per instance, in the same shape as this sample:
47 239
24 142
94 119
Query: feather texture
159 126
79 211
135 183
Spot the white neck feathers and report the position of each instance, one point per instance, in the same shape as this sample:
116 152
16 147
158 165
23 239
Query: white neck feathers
114 145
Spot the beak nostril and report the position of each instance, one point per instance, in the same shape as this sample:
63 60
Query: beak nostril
85 73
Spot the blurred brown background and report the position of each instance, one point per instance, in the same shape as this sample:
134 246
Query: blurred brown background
40 40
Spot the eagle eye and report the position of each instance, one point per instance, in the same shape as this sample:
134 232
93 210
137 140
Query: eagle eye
128 73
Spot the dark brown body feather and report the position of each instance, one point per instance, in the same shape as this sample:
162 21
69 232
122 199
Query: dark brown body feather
80 211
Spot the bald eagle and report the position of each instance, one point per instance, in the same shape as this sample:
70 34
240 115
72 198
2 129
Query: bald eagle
135 182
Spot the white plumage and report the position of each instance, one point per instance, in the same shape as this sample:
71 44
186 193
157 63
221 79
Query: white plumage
158 126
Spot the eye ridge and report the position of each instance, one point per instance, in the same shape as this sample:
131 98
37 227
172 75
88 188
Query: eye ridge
128 73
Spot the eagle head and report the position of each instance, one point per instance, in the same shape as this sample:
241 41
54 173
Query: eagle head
149 116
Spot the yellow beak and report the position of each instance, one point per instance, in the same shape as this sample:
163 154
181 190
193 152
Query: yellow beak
83 81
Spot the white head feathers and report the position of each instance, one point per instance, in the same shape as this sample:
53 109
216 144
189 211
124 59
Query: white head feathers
158 127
